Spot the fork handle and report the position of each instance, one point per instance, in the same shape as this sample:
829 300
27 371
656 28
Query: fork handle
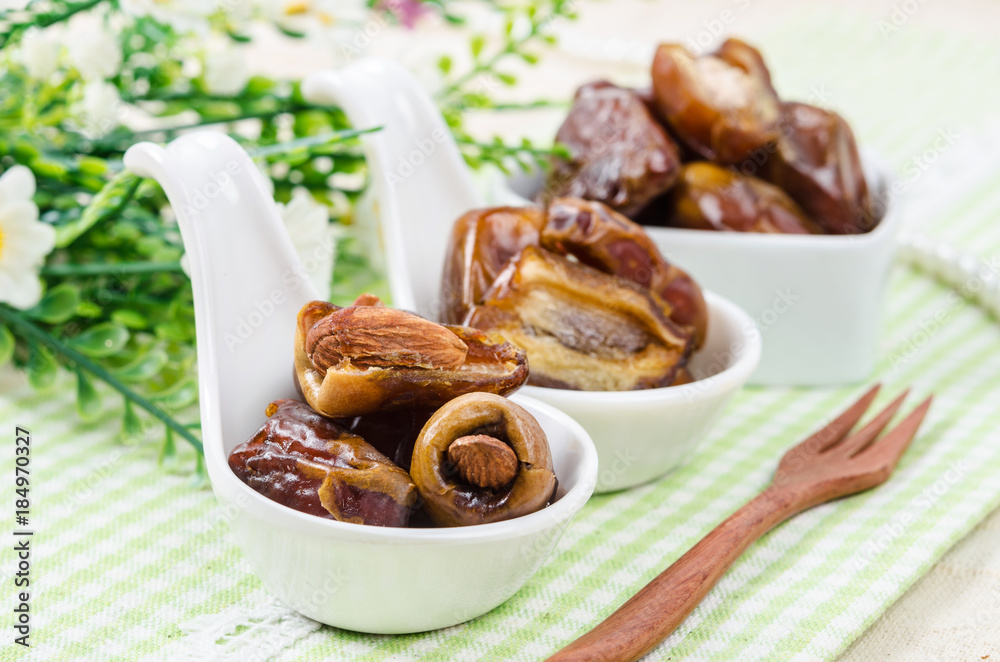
655 611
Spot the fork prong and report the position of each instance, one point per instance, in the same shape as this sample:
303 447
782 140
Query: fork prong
838 428
863 438
887 450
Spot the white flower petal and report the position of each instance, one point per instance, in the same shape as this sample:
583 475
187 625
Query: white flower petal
94 52
21 289
17 213
40 52
26 246
226 72
18 183
100 107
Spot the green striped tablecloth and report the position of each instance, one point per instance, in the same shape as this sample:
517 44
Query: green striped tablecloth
130 563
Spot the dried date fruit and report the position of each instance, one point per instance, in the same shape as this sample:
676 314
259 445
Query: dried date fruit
709 197
583 329
621 156
482 458
310 463
817 164
609 242
721 105
482 241
368 358
392 433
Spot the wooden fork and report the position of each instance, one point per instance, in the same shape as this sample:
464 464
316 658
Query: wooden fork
828 465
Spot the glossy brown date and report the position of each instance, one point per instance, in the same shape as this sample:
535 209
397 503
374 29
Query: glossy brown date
817 164
310 463
368 358
721 105
621 156
583 329
482 241
391 433
482 458
710 197
607 241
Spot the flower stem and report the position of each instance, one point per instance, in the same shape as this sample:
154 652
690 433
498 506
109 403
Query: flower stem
511 149
310 141
109 268
33 332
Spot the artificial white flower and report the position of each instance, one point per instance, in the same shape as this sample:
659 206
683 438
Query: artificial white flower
24 240
95 53
314 239
100 107
226 72
40 52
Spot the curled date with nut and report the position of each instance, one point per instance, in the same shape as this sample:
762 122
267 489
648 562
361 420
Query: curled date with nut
367 358
357 468
482 458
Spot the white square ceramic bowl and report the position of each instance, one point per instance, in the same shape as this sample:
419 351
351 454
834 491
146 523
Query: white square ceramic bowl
818 300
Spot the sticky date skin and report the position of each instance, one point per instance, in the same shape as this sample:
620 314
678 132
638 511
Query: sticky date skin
310 463
482 242
621 155
818 164
721 105
710 197
609 242
347 390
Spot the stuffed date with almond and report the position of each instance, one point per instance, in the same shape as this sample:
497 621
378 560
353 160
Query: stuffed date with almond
369 358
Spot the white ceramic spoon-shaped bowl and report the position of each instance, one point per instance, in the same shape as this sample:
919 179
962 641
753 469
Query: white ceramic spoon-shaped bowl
420 186
248 286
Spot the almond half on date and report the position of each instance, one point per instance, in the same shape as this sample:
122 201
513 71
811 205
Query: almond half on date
367 358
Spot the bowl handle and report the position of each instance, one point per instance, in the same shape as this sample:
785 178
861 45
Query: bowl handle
419 181
247 279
